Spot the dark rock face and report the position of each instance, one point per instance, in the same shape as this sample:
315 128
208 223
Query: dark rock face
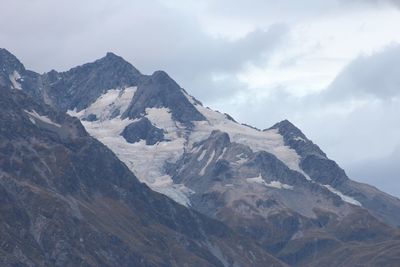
274 169
326 171
189 167
352 246
66 200
159 90
8 65
294 138
80 86
13 75
91 117
364 255
382 205
323 171
143 130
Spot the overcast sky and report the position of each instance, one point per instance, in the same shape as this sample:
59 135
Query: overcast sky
331 67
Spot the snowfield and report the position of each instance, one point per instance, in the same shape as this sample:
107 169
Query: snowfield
147 162
33 116
272 184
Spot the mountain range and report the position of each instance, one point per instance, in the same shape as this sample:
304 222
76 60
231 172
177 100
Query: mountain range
102 165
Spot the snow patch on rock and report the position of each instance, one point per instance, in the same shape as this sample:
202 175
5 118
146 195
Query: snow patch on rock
270 141
241 158
222 154
110 104
298 138
203 170
342 196
33 116
273 184
203 153
14 80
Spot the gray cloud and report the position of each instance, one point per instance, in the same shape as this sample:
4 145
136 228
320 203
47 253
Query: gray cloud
150 35
263 11
270 8
384 172
362 142
379 2
376 76
209 67
355 120
396 2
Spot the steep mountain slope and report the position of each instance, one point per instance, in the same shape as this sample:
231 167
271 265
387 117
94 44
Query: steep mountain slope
66 200
87 82
168 111
259 196
274 186
325 171
13 75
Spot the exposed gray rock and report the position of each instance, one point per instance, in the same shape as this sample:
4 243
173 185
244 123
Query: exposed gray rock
143 130
91 117
326 171
159 90
13 75
323 170
294 138
8 65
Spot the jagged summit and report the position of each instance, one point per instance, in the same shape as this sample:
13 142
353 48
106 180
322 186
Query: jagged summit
288 128
11 70
7 58
112 55
159 90
161 77
296 139
114 60
110 64
78 87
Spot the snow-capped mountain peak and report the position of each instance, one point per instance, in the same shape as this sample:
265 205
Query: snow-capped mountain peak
275 185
